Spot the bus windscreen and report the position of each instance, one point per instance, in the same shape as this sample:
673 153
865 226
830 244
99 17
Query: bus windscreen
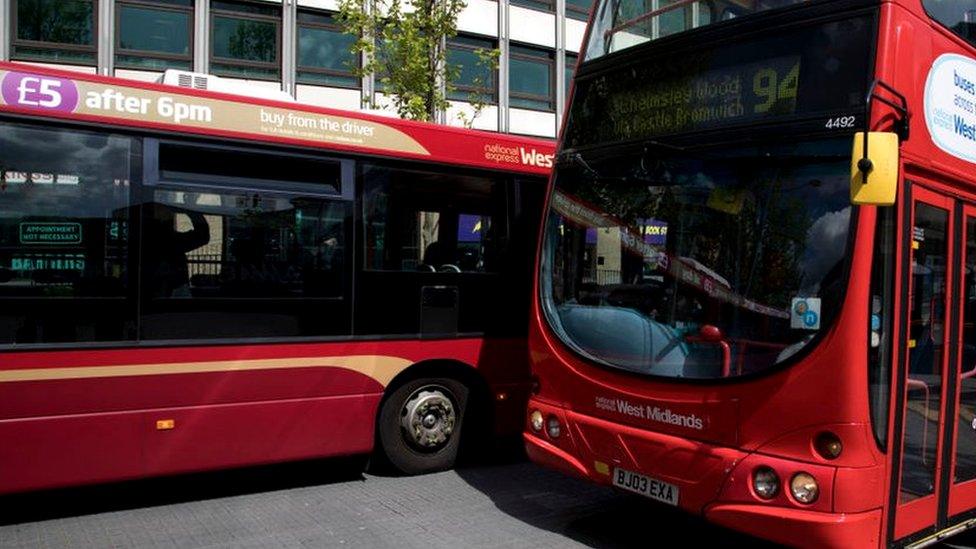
818 70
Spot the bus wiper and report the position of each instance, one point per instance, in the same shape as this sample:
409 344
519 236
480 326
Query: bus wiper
573 158
638 175
661 145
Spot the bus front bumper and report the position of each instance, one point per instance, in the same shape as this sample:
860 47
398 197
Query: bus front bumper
799 527
592 448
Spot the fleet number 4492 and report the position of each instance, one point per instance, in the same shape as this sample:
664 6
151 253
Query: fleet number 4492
840 122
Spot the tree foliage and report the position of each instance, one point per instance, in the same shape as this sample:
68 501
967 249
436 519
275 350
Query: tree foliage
403 43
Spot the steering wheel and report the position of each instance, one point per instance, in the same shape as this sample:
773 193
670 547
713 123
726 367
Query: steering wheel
449 268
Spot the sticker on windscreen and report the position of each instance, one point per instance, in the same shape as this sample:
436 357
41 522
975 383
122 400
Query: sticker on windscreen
805 313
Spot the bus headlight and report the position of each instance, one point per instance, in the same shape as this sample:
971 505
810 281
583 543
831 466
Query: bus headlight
765 482
804 488
535 420
553 428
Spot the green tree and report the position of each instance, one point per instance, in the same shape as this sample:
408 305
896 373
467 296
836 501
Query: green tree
403 43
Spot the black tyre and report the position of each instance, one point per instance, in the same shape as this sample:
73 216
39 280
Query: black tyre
420 425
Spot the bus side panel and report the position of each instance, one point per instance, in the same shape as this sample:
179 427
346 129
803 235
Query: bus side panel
209 437
57 451
91 448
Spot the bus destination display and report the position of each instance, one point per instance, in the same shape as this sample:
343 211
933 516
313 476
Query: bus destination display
718 96
777 76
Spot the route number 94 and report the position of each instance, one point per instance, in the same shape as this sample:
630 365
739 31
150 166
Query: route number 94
840 122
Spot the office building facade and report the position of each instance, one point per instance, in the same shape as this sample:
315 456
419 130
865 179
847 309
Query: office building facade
297 46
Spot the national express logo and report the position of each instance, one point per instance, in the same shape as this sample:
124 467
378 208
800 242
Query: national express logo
505 154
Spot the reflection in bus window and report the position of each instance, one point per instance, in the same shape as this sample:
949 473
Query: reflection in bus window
219 249
926 348
64 235
429 222
958 15
621 24
966 432
698 264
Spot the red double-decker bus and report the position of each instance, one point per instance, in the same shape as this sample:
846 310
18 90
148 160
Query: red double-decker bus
192 280
748 305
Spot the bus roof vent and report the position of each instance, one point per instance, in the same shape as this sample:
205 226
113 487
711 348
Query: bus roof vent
200 81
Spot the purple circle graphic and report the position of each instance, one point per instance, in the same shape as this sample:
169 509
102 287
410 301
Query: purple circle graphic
36 91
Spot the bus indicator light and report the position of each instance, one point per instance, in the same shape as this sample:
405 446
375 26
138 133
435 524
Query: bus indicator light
165 424
601 467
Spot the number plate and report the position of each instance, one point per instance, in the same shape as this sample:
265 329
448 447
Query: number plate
646 486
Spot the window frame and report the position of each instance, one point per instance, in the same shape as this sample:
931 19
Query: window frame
163 56
318 70
40 44
245 63
153 175
491 91
569 72
550 60
154 179
575 12
542 6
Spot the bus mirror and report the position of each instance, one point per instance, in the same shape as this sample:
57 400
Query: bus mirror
874 168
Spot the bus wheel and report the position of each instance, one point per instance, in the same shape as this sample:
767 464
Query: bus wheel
420 424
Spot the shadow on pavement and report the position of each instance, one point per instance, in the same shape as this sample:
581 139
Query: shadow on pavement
595 516
152 492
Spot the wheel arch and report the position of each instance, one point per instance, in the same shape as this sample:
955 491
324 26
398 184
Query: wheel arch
478 408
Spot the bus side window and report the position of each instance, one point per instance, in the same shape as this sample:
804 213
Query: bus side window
245 257
64 235
431 222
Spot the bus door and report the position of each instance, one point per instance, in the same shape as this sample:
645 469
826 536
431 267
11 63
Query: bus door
936 476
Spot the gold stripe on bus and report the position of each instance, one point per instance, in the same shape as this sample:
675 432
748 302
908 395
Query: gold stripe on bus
382 369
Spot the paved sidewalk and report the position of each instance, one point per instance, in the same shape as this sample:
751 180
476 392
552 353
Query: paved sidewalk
329 504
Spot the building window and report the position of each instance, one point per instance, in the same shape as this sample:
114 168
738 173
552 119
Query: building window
578 9
384 52
472 77
325 56
570 70
245 40
530 77
541 5
674 20
61 31
155 35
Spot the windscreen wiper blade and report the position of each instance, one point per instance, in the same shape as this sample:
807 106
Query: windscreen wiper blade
572 158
